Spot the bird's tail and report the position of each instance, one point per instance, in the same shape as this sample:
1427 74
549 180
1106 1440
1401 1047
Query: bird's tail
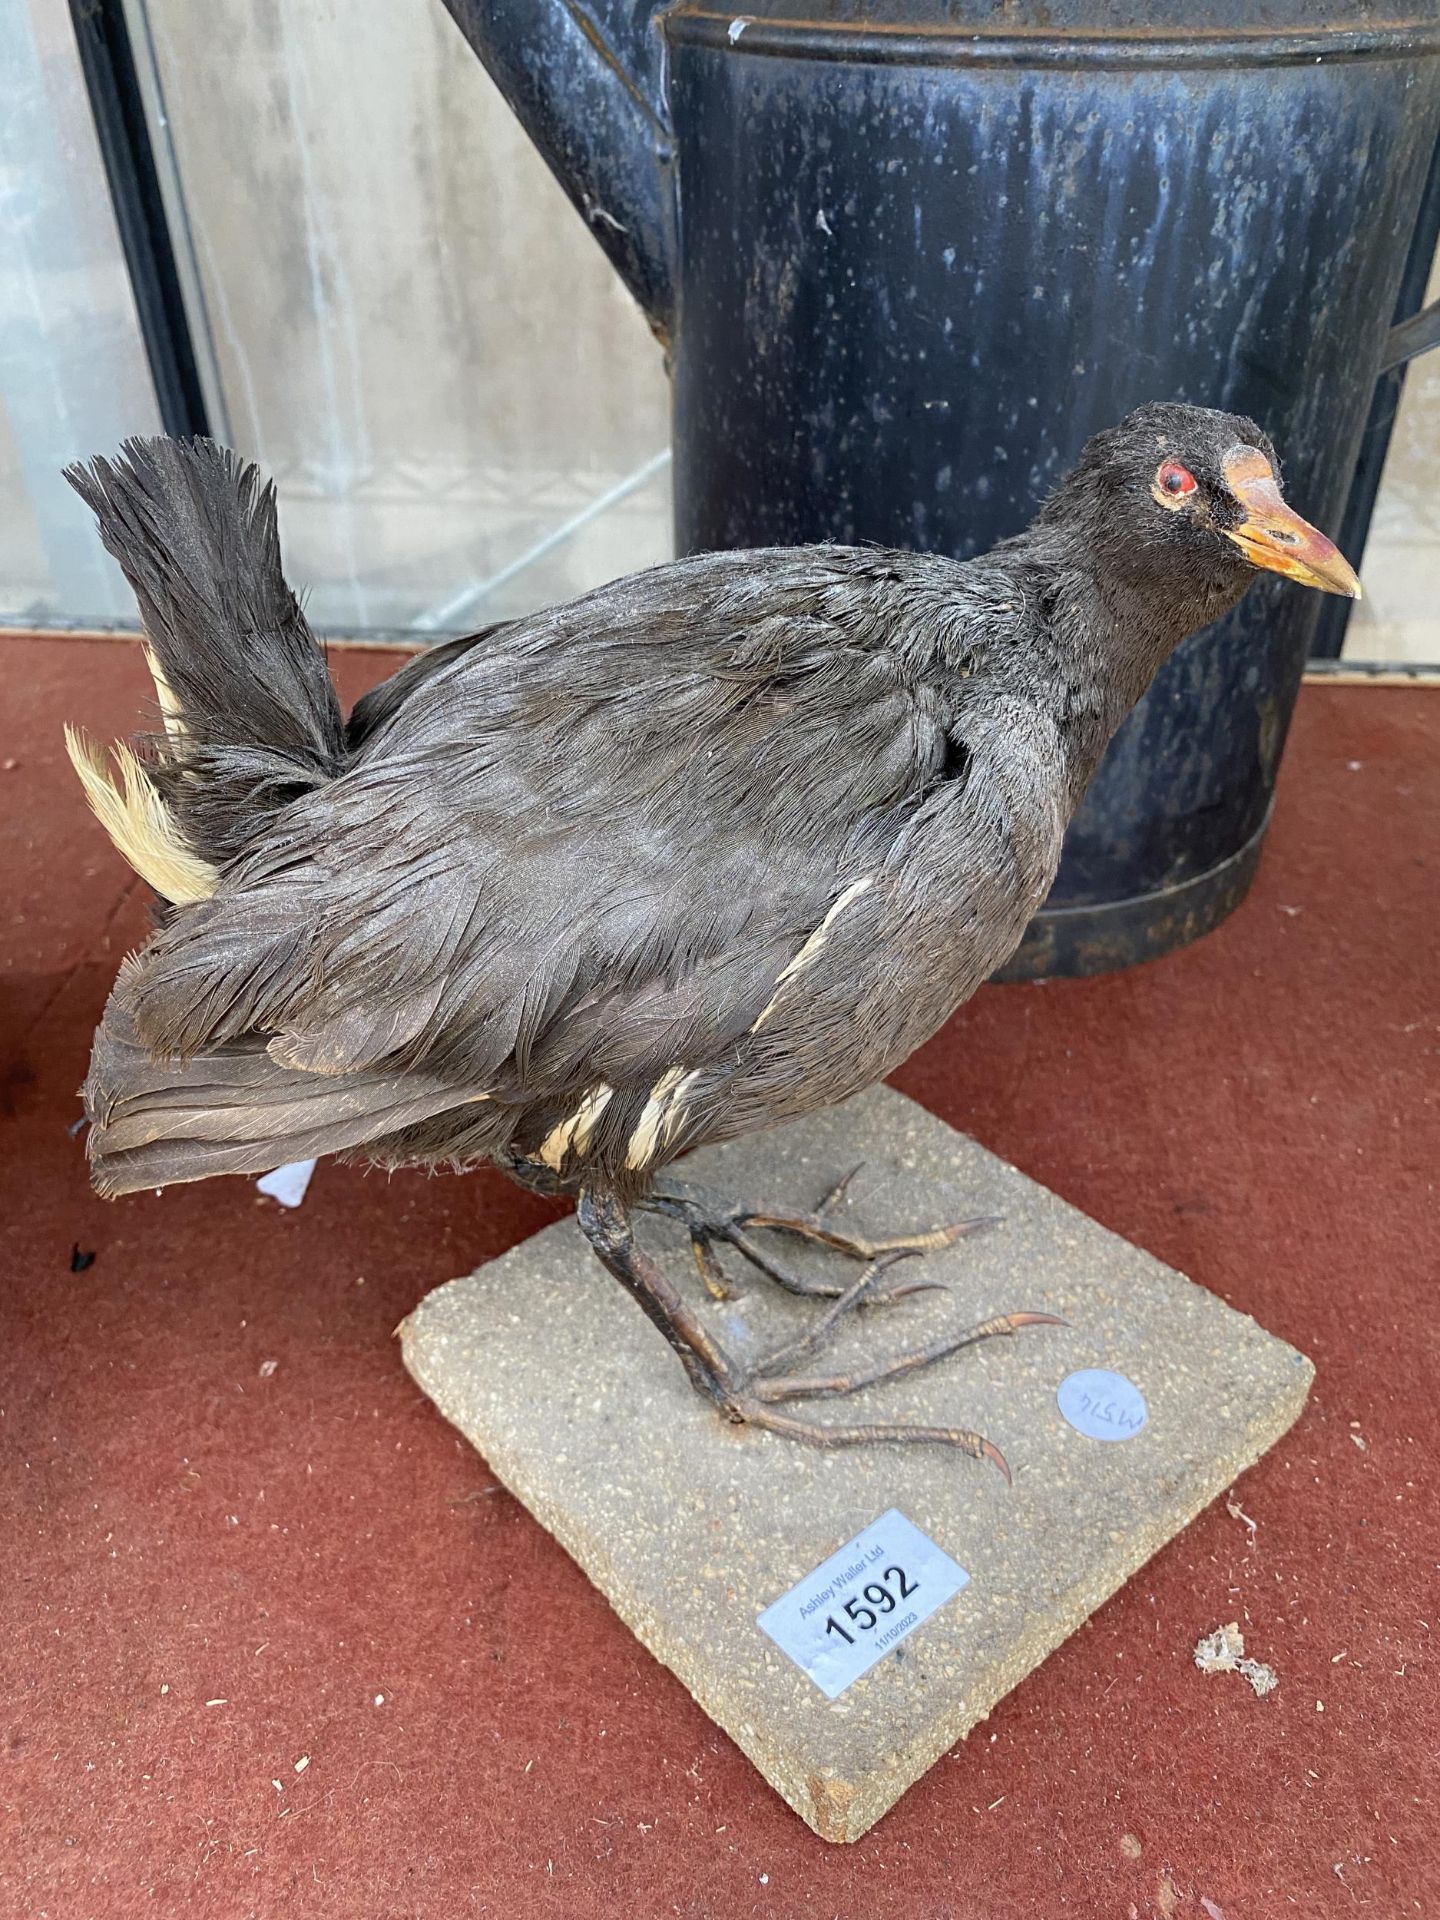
251 718
233 1109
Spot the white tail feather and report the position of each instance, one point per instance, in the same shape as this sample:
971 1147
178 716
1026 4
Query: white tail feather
169 705
139 822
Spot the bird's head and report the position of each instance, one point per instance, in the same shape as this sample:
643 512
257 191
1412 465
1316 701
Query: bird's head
1186 502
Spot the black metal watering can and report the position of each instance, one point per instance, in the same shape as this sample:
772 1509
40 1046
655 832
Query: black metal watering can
906 255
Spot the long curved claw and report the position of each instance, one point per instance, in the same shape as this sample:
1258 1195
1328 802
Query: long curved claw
884 1296
838 1192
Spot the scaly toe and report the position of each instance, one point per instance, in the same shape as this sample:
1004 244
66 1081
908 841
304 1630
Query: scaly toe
754 1414
812 1228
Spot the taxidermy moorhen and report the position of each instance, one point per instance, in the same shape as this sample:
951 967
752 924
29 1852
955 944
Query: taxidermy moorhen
701 851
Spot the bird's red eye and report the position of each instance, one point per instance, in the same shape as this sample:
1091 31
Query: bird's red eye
1175 479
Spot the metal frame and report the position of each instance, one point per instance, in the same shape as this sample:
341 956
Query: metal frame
1375 445
107 61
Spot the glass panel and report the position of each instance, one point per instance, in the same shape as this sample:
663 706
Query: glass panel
1399 618
406 321
73 374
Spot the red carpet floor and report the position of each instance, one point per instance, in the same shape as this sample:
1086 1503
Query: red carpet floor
272 1643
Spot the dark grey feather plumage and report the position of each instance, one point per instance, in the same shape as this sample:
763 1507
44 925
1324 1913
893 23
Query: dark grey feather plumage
580 851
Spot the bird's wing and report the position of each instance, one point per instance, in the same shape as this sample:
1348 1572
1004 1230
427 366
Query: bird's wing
580 852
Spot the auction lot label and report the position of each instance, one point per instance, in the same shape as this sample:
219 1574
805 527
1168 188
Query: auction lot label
858 1605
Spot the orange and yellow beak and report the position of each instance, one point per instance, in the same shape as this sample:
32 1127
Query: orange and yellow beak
1273 536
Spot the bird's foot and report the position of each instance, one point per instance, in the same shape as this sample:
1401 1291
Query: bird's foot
753 1394
711 1219
773 1380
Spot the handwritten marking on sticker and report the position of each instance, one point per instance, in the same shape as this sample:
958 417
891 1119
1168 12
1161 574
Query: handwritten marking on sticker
858 1605
1102 1405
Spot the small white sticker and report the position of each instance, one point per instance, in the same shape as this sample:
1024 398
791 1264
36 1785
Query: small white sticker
858 1605
287 1184
1102 1405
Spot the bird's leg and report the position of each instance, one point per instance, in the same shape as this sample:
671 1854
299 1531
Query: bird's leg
747 1395
605 1222
709 1218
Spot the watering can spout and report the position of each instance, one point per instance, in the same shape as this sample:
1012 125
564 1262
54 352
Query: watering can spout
585 81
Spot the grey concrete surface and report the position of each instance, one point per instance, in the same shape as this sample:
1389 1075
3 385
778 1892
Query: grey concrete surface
691 1527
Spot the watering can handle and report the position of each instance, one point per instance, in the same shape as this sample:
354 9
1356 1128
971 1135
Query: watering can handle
1414 336
584 78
